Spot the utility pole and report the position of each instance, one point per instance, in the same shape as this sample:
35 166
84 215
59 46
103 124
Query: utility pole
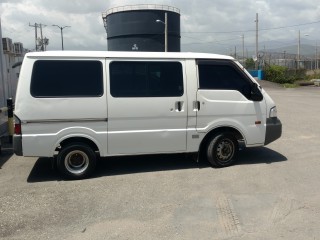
41 39
257 35
298 57
166 31
39 42
36 34
1 68
316 57
243 49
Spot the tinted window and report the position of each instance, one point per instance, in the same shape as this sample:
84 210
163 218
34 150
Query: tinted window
224 76
53 78
146 79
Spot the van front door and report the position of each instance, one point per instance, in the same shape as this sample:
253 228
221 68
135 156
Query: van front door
224 100
147 107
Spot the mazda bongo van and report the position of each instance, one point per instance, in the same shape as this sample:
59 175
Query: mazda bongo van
78 106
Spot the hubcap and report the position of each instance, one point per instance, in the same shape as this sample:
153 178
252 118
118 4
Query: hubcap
76 162
225 150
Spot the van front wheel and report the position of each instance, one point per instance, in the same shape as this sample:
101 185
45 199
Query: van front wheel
76 161
222 150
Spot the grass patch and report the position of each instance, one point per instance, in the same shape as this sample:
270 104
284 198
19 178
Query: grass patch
290 85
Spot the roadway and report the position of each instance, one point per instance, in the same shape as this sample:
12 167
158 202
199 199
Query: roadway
271 193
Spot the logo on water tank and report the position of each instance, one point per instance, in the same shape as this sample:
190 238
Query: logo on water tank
135 47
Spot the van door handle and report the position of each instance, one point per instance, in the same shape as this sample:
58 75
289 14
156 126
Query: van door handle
196 105
179 106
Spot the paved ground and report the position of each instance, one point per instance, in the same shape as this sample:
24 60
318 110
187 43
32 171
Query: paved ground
272 193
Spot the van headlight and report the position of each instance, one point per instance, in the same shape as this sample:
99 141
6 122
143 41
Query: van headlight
273 112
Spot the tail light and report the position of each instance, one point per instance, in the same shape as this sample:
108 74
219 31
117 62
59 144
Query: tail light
17 126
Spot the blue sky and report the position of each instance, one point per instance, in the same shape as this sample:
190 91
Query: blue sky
206 25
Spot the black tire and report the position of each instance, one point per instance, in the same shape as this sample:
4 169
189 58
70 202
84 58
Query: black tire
222 150
76 161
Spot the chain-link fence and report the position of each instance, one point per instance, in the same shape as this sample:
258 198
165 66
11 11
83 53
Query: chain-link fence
291 61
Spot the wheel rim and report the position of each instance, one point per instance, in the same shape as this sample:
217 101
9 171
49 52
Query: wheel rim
225 150
76 162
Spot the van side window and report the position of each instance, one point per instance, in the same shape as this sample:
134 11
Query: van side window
146 79
66 78
224 76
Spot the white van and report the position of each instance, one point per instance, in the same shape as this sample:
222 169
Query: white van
79 106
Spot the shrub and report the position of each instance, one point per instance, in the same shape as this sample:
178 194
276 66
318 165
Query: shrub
298 74
276 74
280 74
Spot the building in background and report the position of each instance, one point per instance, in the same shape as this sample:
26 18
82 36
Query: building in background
142 28
11 54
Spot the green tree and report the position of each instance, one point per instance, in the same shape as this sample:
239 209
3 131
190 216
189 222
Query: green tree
249 63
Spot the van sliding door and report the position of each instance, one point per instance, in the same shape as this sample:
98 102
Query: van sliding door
147 107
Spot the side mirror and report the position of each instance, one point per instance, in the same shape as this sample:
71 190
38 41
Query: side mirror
256 94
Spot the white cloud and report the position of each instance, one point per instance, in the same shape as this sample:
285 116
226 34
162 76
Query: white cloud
221 22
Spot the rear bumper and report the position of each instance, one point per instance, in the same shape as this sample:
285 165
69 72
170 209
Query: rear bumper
17 145
273 130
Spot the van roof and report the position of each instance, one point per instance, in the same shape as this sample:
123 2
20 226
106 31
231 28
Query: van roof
115 54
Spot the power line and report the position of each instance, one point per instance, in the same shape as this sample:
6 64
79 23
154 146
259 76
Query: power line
261 29
211 42
297 25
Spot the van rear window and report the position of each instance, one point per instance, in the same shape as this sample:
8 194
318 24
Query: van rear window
66 78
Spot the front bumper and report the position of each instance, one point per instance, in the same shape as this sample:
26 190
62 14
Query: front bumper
273 130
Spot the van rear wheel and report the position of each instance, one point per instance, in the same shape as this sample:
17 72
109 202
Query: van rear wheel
222 150
76 161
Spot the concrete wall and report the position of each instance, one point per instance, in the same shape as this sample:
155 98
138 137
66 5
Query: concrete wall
258 74
8 84
10 77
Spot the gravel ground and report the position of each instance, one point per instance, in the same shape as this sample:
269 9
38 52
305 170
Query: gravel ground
269 85
271 193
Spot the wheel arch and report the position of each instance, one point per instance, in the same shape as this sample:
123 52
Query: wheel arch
80 139
215 131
